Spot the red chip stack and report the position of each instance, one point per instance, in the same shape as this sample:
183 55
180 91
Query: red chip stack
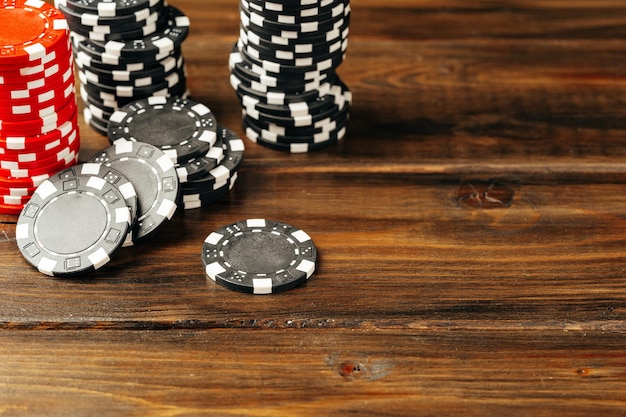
38 113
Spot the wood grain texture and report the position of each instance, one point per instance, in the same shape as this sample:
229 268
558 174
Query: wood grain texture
311 373
471 231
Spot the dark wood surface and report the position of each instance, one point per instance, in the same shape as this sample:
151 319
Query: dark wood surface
429 298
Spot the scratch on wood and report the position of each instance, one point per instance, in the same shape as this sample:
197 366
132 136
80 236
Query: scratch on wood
4 237
485 195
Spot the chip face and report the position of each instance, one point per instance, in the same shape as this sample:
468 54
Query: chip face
31 29
259 256
182 128
73 224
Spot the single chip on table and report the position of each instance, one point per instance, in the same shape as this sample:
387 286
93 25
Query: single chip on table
259 256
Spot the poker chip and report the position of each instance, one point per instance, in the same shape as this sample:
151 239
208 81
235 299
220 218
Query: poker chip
38 113
233 153
154 177
199 200
201 166
125 51
111 8
287 144
17 192
11 208
31 30
34 160
72 224
283 71
183 129
259 256
165 40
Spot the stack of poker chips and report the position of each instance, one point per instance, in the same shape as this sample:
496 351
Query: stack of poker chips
38 111
206 156
125 51
166 153
283 69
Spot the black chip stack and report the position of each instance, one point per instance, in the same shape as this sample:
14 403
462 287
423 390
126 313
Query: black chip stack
125 51
206 156
283 69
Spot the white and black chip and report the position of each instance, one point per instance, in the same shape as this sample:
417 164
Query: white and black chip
259 256
182 128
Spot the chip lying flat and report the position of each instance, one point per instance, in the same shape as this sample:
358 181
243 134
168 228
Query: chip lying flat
259 256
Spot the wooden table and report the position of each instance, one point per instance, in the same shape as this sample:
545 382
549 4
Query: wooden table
471 232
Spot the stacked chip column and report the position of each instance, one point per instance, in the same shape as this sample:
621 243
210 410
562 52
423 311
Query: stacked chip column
125 51
283 69
38 111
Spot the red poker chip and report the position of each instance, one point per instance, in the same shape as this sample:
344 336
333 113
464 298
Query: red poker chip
33 143
13 78
11 209
10 200
35 87
30 31
44 160
27 182
54 63
17 192
40 125
41 105
68 161
41 150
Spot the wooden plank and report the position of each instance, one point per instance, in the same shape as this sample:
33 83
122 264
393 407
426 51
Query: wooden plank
448 19
412 253
474 103
311 373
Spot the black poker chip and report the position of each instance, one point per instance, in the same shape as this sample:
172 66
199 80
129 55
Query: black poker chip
295 16
163 41
74 223
121 92
236 58
259 256
121 19
96 123
204 199
310 28
181 128
294 53
201 166
87 52
153 174
311 133
276 96
233 153
250 105
137 78
261 82
111 8
146 28
287 6
110 103
297 144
